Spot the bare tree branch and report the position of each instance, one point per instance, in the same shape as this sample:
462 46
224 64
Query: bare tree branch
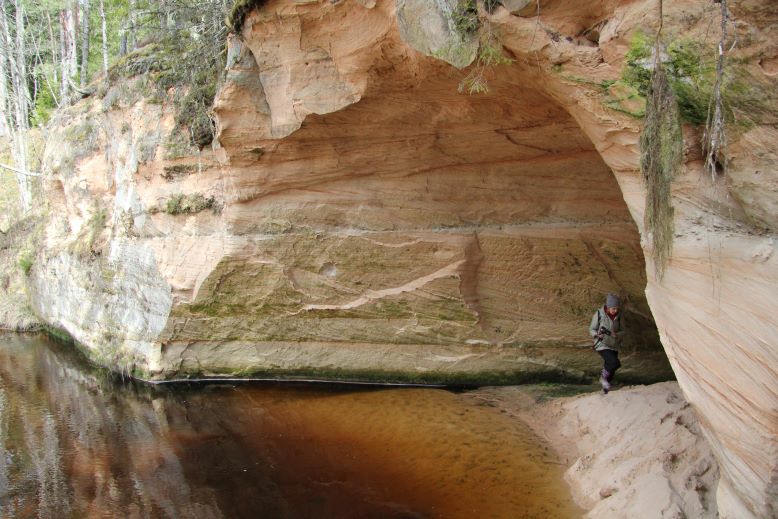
19 171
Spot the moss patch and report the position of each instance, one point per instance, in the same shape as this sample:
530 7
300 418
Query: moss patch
378 376
465 17
84 246
25 261
181 66
178 170
83 136
240 10
554 381
690 68
111 362
19 246
188 204
625 98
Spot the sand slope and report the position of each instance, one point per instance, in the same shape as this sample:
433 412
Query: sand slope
635 453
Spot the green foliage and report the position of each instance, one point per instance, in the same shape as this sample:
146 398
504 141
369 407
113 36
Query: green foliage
83 136
690 68
193 107
465 17
638 61
151 58
188 204
191 68
473 84
490 54
25 261
176 146
94 227
45 104
624 98
689 72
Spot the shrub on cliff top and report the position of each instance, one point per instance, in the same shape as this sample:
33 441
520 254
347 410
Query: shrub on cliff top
185 60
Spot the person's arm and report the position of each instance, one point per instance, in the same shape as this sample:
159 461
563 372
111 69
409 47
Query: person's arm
593 331
619 334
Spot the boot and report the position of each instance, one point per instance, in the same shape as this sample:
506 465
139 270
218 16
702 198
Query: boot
605 376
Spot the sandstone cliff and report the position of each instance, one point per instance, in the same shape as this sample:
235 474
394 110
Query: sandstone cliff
358 217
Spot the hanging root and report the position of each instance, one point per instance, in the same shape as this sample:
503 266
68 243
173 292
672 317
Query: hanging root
661 152
714 140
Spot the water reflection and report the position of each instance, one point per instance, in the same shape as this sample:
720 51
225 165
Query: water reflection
73 443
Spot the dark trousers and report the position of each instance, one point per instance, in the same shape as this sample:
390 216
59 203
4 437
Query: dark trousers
612 363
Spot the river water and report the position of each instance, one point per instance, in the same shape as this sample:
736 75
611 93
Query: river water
74 442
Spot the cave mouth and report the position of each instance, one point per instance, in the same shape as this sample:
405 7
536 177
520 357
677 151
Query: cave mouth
435 223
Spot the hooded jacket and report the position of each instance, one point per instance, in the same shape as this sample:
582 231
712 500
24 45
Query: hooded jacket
602 319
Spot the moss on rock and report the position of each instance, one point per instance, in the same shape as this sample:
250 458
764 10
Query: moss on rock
240 10
690 66
188 204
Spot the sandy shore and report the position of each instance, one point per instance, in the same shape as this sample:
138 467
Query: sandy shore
635 453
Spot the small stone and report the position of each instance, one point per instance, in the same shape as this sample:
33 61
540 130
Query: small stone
606 492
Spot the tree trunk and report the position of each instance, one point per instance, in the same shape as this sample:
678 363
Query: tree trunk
64 86
6 123
84 43
105 39
17 99
22 94
54 53
69 63
22 103
73 38
127 39
133 35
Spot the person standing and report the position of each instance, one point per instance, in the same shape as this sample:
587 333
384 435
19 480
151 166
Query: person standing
606 331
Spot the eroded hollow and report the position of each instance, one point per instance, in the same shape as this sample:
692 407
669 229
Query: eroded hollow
421 234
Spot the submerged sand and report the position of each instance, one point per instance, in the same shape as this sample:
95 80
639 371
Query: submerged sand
637 452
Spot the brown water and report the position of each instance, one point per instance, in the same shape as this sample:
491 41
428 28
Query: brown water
74 443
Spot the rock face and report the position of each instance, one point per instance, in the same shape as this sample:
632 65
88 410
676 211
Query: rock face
359 218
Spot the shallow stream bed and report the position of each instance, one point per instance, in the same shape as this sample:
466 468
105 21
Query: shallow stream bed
74 442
